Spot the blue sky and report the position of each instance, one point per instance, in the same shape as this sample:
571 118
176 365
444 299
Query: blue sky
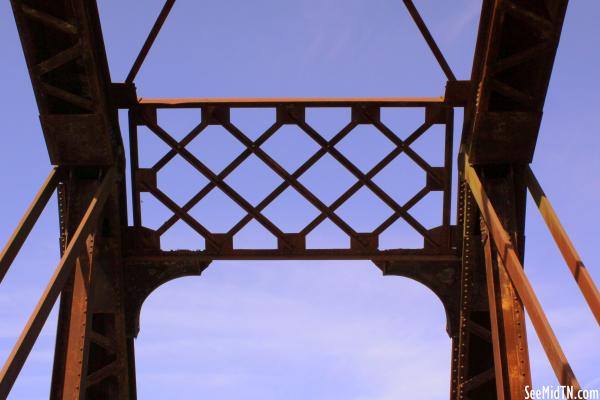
256 330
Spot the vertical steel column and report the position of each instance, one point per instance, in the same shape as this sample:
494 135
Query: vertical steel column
472 357
93 355
509 255
77 345
511 358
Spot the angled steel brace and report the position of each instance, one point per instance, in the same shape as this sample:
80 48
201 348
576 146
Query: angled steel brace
135 68
22 230
437 53
580 273
36 321
521 283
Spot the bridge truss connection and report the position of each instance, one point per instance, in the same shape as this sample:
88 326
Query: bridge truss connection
473 264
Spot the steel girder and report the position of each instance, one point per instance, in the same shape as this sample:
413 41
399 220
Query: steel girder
65 55
516 46
503 103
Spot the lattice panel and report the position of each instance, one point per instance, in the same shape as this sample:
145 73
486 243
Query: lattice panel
275 169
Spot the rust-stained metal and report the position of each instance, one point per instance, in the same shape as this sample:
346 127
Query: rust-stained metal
145 274
473 266
516 46
80 321
160 20
64 50
439 56
442 278
294 101
514 268
24 344
580 273
92 358
65 54
219 245
471 341
507 317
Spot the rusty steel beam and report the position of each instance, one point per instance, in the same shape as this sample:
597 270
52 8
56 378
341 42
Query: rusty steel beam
160 20
21 232
495 325
220 246
65 55
80 321
437 53
523 287
507 316
514 54
516 46
93 356
216 112
66 58
471 340
203 169
36 321
580 273
298 101
397 256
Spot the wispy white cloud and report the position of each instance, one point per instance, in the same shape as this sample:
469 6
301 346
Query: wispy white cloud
454 27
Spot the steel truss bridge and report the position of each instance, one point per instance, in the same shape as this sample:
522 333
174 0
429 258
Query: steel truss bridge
473 264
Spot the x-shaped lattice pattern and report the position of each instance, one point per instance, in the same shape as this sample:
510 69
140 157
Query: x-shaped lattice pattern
362 113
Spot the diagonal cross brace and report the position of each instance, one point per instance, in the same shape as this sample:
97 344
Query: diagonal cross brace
36 321
197 164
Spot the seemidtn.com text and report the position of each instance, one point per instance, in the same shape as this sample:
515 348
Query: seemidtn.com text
560 392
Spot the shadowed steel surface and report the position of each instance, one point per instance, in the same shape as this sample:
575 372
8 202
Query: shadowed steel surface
506 250
36 321
291 112
474 265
